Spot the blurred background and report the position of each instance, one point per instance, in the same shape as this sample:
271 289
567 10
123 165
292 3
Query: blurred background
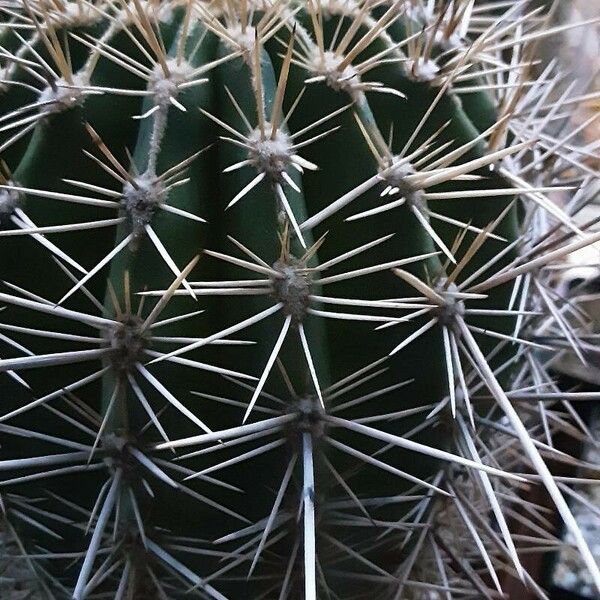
578 52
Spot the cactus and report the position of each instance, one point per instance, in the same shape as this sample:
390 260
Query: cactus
277 288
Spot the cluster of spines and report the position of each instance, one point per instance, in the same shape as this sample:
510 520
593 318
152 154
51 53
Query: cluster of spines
125 554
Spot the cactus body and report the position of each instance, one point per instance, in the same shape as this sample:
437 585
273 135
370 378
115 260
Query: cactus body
270 298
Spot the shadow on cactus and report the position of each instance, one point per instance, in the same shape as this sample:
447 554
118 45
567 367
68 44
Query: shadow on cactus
277 292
